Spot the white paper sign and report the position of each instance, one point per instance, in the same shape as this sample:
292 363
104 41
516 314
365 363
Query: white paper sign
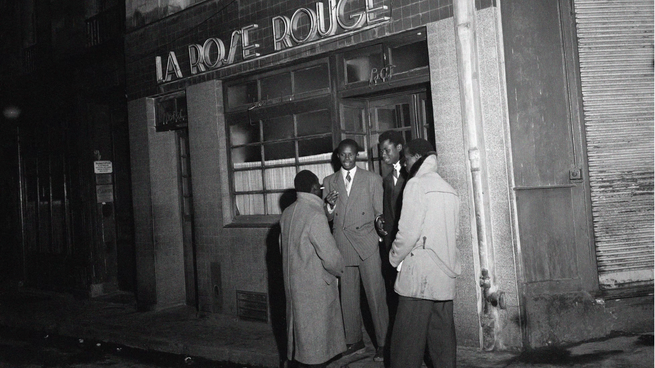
102 167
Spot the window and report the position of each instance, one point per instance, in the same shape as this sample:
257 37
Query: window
278 125
287 120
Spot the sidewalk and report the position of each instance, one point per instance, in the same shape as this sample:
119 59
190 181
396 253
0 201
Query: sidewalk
114 319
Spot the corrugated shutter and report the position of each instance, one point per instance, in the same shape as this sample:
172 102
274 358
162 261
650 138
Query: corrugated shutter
615 44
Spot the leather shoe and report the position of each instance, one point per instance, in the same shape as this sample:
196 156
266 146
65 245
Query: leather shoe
379 354
356 348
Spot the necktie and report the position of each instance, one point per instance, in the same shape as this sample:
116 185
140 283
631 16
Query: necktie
348 181
395 173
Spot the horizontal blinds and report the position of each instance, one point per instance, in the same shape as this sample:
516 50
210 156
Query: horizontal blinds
615 44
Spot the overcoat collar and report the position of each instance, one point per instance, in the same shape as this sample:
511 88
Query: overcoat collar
310 198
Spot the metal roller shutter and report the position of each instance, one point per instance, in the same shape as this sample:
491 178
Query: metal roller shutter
615 44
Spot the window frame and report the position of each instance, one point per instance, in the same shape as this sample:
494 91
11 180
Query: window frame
260 110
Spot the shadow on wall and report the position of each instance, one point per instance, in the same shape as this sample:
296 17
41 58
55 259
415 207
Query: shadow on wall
276 296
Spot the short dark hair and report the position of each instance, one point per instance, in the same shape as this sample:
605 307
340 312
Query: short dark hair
419 146
348 142
304 181
394 136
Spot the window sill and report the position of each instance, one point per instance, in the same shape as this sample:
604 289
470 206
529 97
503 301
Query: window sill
623 293
253 221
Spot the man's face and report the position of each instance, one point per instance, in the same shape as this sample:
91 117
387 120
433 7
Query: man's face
390 153
410 160
317 189
347 157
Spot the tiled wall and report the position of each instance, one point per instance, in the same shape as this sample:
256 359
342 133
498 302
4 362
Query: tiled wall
496 133
158 224
220 18
141 115
449 136
449 139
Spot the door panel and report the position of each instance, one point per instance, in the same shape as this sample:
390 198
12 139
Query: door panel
187 216
407 113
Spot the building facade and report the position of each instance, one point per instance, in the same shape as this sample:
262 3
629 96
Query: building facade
549 146
66 226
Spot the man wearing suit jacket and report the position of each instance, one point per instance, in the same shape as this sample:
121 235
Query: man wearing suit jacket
354 202
391 147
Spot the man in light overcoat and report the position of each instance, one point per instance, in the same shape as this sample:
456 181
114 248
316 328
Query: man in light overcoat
311 263
426 257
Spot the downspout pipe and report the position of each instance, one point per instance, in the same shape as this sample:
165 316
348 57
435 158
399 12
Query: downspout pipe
474 142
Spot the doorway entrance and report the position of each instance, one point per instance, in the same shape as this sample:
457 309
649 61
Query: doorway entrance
186 208
409 112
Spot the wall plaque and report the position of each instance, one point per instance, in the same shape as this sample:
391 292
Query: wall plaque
171 113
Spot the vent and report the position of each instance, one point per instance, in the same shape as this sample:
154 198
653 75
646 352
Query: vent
252 306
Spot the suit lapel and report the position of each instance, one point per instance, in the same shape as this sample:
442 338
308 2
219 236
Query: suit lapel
340 186
356 187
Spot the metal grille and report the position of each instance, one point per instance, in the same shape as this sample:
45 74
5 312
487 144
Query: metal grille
615 44
252 306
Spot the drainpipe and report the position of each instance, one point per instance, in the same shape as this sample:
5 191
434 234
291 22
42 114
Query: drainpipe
472 119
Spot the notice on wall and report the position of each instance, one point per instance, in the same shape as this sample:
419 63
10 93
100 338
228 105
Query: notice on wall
102 167
104 193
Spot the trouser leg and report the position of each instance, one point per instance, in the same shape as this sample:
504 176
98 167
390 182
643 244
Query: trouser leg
410 332
371 273
350 307
389 274
442 340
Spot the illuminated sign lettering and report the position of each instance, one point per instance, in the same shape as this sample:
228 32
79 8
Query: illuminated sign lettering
305 25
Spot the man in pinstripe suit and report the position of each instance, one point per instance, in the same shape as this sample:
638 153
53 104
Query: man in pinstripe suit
353 202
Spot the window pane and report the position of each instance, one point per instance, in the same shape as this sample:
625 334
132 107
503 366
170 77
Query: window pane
408 135
273 206
358 68
242 94
408 57
320 170
315 122
391 117
361 141
276 86
280 177
311 79
250 204
278 151
247 181
186 206
185 188
246 154
310 147
278 128
244 132
352 119
184 167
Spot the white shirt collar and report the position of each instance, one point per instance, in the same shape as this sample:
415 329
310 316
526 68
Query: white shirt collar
344 172
396 166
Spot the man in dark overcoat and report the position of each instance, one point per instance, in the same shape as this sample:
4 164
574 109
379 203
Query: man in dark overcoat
311 263
391 148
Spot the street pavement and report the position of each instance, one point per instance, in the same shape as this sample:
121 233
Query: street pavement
182 331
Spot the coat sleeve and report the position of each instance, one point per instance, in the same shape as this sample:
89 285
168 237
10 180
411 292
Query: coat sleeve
378 195
327 188
410 223
325 246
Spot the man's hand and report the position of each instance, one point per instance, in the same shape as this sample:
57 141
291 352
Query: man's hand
331 198
379 226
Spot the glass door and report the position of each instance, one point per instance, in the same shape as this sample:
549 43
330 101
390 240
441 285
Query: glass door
409 113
